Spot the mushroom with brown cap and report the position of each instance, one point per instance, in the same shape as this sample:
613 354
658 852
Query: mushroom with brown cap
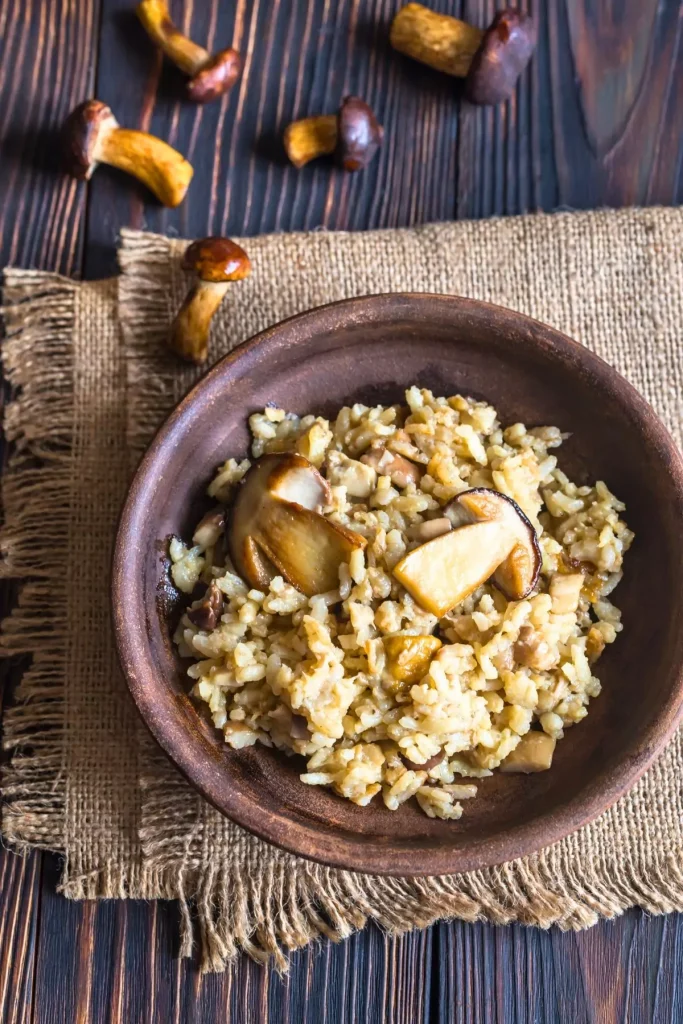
353 134
276 527
210 75
216 262
491 61
92 136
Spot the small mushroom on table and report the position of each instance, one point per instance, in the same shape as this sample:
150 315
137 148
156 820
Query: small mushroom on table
93 136
353 135
276 527
211 75
496 541
491 61
216 262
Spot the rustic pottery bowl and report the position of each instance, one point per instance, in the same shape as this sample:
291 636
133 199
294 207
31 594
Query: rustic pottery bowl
368 350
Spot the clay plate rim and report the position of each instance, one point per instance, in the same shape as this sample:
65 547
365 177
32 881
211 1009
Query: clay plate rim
367 855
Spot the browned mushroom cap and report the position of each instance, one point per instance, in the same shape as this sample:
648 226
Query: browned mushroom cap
210 76
353 134
216 77
92 135
505 51
491 61
81 132
358 134
517 574
216 262
217 259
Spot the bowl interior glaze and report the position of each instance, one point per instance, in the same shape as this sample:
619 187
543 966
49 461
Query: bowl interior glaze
369 350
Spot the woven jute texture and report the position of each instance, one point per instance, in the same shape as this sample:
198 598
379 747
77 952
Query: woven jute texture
92 382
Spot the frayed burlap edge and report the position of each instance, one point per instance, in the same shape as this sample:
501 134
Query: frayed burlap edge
266 902
37 360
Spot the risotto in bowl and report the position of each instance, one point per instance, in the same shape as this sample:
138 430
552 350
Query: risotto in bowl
405 548
409 596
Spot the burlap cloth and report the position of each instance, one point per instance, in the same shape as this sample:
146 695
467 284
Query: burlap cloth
85 779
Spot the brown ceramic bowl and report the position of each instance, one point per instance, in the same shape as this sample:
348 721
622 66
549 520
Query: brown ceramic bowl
368 350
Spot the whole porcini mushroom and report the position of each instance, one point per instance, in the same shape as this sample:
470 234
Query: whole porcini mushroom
210 75
216 262
491 61
353 135
92 136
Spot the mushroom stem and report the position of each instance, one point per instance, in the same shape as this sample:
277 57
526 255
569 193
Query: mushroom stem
310 138
211 75
155 18
190 332
444 43
158 166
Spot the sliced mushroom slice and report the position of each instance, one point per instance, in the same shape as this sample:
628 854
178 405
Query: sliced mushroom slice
408 657
415 766
209 528
443 572
275 526
294 478
208 612
401 471
252 563
517 574
533 753
307 548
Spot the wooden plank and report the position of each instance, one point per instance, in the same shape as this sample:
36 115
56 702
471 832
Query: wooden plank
19 888
580 132
597 122
116 963
46 67
625 970
46 51
299 59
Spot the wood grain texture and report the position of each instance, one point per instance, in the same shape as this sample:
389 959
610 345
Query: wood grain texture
19 889
46 67
599 120
611 973
605 85
116 963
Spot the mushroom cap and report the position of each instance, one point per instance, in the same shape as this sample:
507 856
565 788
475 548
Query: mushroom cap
505 51
216 77
80 134
358 134
217 259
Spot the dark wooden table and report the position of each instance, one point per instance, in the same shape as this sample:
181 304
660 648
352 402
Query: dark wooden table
598 121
